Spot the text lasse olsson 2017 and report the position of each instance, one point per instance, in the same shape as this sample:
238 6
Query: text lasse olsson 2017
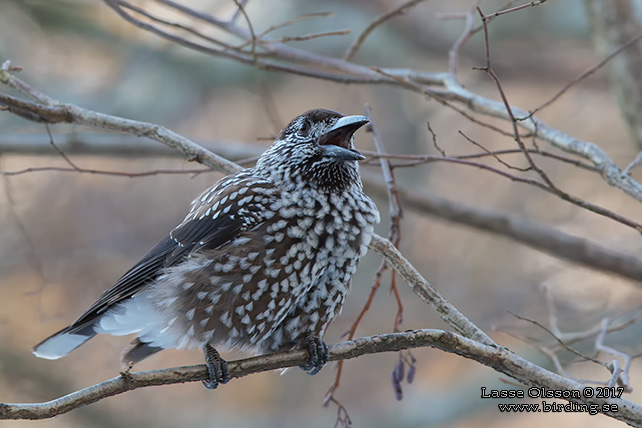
539 392
547 407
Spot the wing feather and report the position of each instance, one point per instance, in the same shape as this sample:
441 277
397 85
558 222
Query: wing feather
196 232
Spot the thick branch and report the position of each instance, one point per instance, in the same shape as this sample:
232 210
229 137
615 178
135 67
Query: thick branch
543 238
538 236
445 86
69 113
116 145
497 358
613 24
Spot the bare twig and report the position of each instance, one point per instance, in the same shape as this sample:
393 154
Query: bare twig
70 113
497 158
633 164
584 75
558 340
453 54
514 9
401 9
549 185
543 238
620 375
498 358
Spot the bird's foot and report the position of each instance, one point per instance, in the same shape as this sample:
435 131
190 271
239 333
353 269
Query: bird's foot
216 368
318 350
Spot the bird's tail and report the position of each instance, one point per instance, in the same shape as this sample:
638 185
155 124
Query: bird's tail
66 340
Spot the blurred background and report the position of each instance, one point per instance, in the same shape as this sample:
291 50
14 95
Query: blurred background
65 237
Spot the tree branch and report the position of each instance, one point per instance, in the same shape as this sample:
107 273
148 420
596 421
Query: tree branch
441 86
551 241
497 358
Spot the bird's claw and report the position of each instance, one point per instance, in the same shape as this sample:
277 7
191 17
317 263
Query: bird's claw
216 368
318 351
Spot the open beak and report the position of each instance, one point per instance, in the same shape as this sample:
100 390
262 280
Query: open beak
336 143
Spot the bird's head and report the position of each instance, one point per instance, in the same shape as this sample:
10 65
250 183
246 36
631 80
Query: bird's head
316 149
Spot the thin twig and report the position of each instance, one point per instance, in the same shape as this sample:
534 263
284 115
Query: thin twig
497 158
548 183
356 44
584 75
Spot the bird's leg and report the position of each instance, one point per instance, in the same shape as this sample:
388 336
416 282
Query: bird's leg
318 350
216 368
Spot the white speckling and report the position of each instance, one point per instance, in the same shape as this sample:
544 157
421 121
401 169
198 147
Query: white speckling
245 200
275 290
242 240
247 278
272 273
226 320
215 298
249 307
169 301
246 319
202 294
210 309
204 322
187 285
237 289
240 310
190 314
190 331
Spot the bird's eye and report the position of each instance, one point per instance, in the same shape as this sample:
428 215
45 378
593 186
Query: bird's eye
304 128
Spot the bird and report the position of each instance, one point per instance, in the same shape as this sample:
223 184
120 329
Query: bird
262 262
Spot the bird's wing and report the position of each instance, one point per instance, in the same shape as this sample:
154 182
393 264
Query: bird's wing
218 216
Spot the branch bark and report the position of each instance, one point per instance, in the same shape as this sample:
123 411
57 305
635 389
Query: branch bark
443 86
495 357
613 24
548 240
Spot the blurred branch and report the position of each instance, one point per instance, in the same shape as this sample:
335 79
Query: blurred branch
69 113
473 342
615 26
548 184
495 357
538 236
444 87
549 240
356 45
117 145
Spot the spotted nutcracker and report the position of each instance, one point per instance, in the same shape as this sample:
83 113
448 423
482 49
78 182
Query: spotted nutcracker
263 261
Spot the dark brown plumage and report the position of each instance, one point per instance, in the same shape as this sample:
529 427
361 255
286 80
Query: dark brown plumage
263 260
